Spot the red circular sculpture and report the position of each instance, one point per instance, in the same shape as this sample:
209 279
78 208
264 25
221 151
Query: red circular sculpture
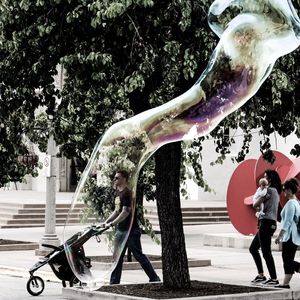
243 184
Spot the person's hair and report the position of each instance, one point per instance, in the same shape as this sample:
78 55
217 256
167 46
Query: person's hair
263 181
291 184
124 173
274 180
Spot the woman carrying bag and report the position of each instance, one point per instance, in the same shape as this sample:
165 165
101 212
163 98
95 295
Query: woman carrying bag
289 235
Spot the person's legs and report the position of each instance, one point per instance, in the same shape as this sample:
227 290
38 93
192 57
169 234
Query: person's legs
115 276
288 254
296 265
266 232
134 244
253 249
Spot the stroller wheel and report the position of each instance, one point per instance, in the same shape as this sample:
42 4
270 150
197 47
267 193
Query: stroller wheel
35 285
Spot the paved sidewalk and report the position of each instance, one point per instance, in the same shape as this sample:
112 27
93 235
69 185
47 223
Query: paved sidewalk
229 265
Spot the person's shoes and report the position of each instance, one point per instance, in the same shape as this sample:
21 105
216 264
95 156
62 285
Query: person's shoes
282 286
259 279
270 282
157 279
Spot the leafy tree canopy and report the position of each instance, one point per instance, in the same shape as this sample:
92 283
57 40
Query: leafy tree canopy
120 58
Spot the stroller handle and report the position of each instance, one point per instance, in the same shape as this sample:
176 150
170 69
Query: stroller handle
80 238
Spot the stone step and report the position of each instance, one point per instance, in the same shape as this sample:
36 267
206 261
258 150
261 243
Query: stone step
13 205
32 204
42 221
198 218
195 213
42 210
58 205
33 218
9 210
38 211
36 225
186 209
36 216
15 215
197 222
191 209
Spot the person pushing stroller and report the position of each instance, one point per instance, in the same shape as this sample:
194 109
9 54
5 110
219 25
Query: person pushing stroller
121 218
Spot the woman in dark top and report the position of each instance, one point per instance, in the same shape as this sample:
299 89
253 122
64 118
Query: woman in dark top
266 227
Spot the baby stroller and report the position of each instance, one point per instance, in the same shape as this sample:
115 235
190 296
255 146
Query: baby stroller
58 261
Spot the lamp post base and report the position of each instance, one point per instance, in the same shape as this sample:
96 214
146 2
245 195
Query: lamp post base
50 239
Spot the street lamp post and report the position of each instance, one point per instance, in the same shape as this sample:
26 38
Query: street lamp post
50 236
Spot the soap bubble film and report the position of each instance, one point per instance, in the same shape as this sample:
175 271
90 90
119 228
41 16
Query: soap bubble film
249 45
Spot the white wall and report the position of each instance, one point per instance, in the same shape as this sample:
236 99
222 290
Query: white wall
218 176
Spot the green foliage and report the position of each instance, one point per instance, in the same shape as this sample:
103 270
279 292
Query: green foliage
192 154
13 145
120 58
98 199
38 132
99 203
146 224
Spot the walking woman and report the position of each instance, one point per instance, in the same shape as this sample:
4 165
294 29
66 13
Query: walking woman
289 234
267 225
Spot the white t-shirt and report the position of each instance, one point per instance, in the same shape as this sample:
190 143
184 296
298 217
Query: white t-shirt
260 192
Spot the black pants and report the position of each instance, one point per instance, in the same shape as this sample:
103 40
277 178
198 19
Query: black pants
134 244
288 254
263 239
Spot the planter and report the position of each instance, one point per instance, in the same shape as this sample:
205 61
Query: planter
271 294
17 246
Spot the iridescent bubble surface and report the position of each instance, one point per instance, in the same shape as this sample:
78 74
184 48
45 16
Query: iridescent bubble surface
249 45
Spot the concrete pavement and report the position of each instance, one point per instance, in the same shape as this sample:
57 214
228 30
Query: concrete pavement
229 265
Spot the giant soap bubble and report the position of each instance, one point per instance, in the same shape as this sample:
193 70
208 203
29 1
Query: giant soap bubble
249 45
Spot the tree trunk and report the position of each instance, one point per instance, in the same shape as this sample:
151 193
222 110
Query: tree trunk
174 257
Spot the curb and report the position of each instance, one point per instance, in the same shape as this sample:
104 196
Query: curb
19 247
231 241
24 273
76 293
157 264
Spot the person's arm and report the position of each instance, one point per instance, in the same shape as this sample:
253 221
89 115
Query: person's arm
279 237
122 216
289 215
256 196
287 220
116 217
261 199
258 202
112 217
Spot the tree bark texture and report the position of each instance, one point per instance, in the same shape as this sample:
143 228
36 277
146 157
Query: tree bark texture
174 257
